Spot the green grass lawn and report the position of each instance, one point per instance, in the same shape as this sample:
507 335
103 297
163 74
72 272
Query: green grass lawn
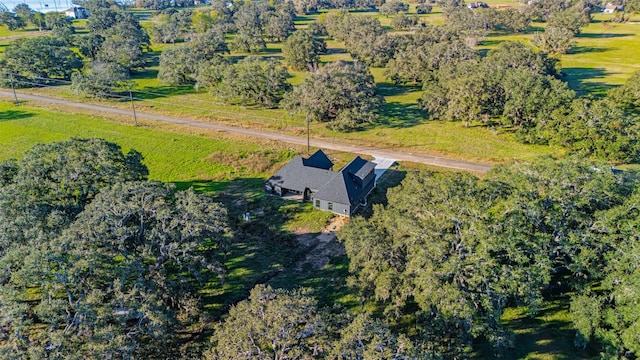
4 31
169 156
606 53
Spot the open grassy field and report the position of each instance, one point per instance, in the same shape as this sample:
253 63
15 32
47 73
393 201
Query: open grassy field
606 53
605 57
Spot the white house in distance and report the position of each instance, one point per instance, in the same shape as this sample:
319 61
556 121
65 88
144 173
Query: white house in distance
77 12
611 8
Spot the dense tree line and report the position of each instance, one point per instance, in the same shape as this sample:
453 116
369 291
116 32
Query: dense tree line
453 251
115 47
512 81
96 260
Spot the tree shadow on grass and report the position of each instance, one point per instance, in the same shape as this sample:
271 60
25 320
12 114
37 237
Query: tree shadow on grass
8 115
401 115
333 51
588 49
150 93
300 19
580 80
390 89
601 36
397 114
327 285
272 51
145 74
152 58
202 186
532 30
491 42
548 333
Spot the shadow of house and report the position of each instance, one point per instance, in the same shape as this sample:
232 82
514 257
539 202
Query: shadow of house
312 179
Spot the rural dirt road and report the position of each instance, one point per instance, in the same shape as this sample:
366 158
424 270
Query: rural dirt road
29 34
320 143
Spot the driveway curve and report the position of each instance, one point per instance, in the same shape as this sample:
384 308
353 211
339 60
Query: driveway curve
298 140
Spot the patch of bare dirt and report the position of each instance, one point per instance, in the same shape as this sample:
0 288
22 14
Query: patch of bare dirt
323 246
336 223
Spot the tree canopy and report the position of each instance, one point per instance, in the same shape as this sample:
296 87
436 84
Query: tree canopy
454 251
302 50
40 59
96 261
339 93
250 81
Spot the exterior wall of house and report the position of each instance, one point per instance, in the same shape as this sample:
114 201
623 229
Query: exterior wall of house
337 208
370 183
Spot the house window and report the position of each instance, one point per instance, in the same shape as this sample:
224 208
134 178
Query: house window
330 206
317 203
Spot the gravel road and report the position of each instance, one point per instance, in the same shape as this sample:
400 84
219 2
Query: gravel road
298 140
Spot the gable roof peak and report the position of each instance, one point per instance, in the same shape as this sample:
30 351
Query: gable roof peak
318 160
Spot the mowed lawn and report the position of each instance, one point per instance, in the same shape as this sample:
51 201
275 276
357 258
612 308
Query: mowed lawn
171 156
606 55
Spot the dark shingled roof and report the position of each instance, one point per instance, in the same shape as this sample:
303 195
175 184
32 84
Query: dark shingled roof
318 160
342 188
345 186
295 176
359 167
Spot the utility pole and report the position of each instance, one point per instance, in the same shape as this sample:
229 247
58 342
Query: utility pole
133 108
14 90
308 135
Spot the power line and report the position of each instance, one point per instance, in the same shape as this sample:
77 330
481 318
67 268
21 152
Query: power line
227 114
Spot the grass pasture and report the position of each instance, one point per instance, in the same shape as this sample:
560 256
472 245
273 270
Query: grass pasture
605 57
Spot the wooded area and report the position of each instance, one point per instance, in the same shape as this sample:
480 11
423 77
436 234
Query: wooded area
97 261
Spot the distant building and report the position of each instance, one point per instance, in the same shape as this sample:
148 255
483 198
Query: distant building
477 5
610 8
77 12
312 179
